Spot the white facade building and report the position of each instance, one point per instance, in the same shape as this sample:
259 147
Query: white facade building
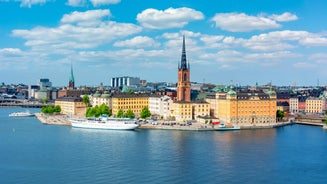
128 81
294 105
160 105
99 99
44 84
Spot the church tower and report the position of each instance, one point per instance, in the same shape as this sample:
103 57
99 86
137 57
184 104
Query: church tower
184 84
71 78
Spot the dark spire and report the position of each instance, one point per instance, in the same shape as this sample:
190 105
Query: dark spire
183 64
71 78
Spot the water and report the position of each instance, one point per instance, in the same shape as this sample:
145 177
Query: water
31 152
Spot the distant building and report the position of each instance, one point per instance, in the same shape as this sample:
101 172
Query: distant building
32 89
254 107
128 81
283 106
200 110
294 105
134 102
72 106
44 84
314 105
99 99
182 111
160 105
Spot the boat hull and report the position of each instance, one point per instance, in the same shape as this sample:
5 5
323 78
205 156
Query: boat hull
21 114
227 129
105 125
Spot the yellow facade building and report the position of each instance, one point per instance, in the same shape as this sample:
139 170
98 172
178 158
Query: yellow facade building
135 102
200 109
247 107
72 106
314 105
182 111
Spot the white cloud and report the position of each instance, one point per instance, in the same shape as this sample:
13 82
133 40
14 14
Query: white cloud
95 3
29 3
76 3
93 33
314 41
91 15
169 18
104 2
10 52
285 17
240 22
138 42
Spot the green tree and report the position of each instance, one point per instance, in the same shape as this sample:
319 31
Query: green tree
89 112
120 113
50 109
57 108
86 100
130 114
104 109
145 112
280 115
326 121
96 110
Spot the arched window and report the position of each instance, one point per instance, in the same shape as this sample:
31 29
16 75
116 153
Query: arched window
184 79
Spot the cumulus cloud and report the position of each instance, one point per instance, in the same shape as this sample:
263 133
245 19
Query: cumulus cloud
91 15
10 52
138 42
95 3
77 30
169 18
241 22
30 3
104 2
314 41
76 2
285 17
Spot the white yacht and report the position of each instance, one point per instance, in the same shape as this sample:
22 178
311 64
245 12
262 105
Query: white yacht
105 123
21 114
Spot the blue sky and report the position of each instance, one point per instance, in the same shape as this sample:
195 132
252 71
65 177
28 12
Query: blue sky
243 42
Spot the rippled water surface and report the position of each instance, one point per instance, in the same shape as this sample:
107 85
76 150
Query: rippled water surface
34 153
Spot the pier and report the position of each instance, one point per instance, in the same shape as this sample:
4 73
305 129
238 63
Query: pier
310 120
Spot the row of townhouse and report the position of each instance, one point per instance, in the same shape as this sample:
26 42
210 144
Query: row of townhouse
311 105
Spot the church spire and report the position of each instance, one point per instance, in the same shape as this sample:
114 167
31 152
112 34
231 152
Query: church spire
183 64
71 78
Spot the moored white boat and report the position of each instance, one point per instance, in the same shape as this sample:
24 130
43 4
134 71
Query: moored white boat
223 127
105 123
21 114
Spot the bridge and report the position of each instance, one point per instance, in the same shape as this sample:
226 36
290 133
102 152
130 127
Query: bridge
21 103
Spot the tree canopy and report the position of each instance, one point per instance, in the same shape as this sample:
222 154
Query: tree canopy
145 112
98 111
51 109
280 114
120 113
129 114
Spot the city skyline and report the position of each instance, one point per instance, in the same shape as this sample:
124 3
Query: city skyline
278 41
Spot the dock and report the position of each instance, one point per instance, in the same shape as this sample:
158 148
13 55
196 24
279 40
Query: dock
52 119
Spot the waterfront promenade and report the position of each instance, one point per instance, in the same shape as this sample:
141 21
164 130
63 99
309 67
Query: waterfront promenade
63 120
